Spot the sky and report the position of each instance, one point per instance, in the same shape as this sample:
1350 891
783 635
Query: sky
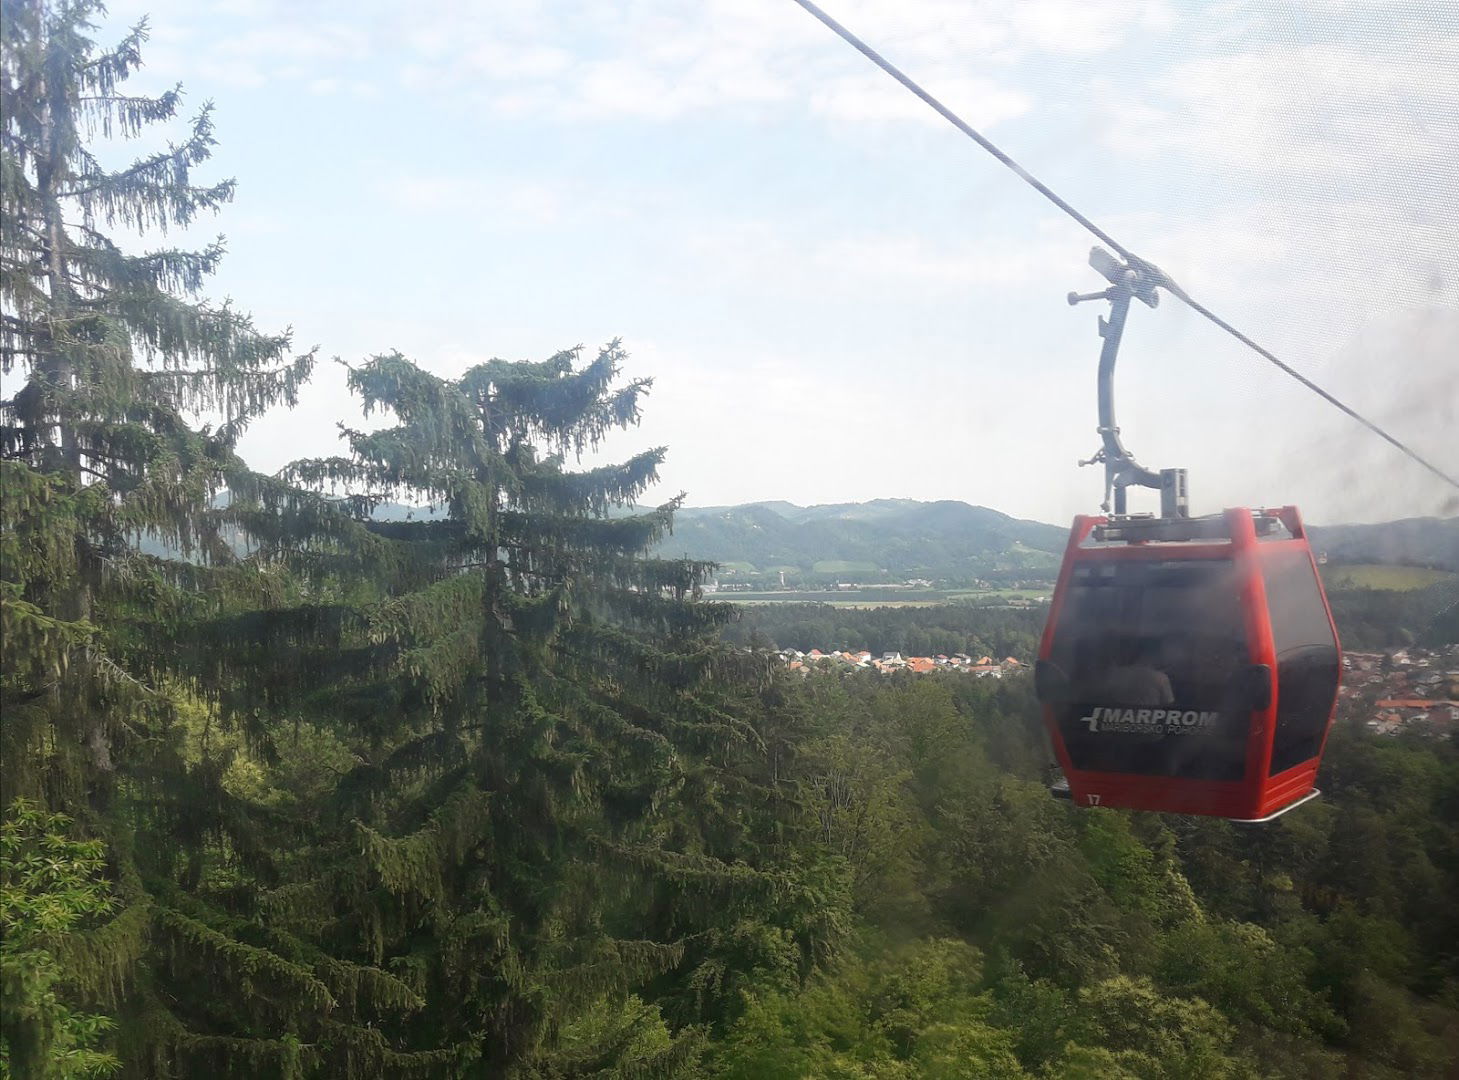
838 296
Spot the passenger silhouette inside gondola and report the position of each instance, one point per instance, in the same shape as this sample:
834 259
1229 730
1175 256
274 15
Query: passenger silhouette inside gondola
1133 679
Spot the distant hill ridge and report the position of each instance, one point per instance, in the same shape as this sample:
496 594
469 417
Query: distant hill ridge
1426 541
894 539
883 539
952 540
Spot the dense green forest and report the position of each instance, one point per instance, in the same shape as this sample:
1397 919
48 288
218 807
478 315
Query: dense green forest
498 793
912 631
1384 618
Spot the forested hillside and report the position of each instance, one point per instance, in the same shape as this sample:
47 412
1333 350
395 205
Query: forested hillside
291 790
881 540
1432 542
998 933
1384 618
913 631
954 543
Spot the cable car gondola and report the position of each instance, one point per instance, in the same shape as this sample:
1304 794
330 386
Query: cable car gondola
1189 665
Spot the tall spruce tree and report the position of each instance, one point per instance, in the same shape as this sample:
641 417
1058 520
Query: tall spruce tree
506 808
109 359
548 804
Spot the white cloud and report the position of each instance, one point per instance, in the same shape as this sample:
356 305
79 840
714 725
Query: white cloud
496 201
1313 272
655 59
1307 109
524 61
1081 27
660 59
1322 173
1400 371
774 260
866 97
285 41
911 261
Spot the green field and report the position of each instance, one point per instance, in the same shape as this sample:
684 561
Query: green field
977 595
870 598
859 597
1371 576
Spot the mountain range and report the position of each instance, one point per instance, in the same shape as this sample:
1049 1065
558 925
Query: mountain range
894 539
878 540
1426 541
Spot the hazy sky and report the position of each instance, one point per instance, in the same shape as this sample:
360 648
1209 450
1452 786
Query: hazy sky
838 296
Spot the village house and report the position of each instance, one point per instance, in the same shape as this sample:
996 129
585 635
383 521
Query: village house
1421 692
1359 661
891 662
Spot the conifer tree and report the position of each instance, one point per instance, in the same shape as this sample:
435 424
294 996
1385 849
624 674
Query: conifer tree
110 358
552 788
528 698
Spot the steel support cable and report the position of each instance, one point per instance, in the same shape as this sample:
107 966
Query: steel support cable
1159 277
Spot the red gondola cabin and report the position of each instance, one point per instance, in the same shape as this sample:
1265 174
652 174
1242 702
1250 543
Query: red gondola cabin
1190 666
